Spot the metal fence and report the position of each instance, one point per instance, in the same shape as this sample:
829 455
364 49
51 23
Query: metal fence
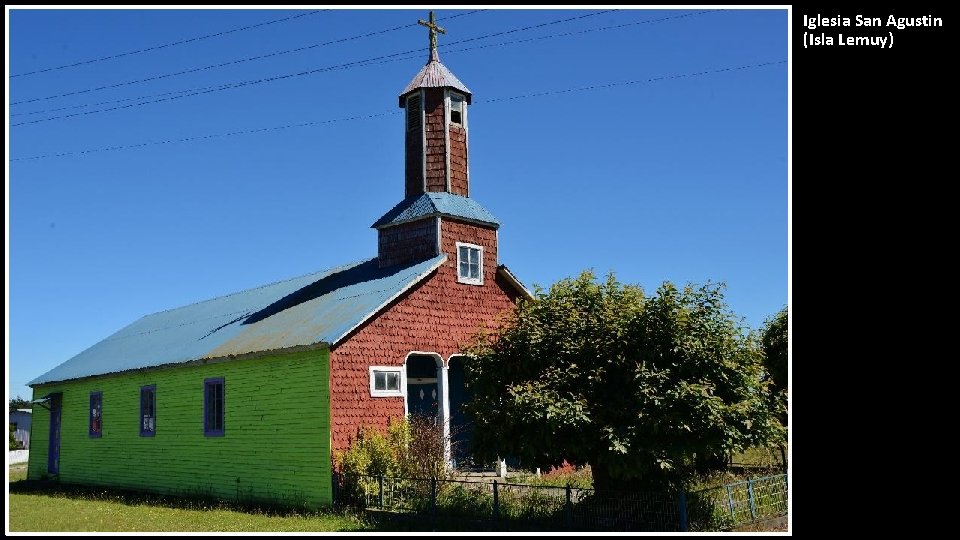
546 507
737 503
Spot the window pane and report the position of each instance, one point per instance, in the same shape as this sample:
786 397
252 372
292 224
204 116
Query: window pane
213 413
219 417
96 413
475 271
393 381
147 410
456 109
208 416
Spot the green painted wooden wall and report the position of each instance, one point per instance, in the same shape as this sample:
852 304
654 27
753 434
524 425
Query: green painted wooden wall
276 445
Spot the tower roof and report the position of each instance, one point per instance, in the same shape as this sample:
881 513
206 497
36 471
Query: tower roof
436 204
435 75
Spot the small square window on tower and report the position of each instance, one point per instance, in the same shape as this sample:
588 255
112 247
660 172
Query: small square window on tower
456 109
469 264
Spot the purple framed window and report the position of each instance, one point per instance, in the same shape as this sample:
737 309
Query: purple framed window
96 414
148 410
213 394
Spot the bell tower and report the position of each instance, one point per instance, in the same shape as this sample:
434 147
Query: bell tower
436 126
437 216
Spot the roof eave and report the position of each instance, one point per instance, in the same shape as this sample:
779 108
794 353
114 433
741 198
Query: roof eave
512 279
434 214
402 99
201 360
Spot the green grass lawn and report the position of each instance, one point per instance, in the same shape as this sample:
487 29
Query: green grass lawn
54 509
49 513
17 472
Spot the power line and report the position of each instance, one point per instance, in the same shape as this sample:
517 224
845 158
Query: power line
378 115
211 136
578 32
242 60
359 63
362 63
404 56
228 63
269 79
638 81
165 45
82 105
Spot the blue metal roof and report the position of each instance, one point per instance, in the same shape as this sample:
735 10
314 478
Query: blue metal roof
322 307
436 203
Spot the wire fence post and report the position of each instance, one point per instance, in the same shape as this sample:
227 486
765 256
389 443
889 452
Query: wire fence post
380 494
568 508
682 506
733 512
433 496
496 501
753 506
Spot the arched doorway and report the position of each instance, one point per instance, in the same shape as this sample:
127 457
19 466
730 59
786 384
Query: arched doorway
423 392
461 429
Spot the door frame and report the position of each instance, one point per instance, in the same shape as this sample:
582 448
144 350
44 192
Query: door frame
53 444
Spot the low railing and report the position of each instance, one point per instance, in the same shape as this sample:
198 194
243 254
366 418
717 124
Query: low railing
547 507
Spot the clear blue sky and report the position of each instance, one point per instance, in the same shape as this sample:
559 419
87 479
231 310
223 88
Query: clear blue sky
680 179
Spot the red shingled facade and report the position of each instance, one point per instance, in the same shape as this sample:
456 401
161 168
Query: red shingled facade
439 315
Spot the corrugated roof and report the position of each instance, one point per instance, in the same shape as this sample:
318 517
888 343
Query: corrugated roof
434 203
434 75
322 307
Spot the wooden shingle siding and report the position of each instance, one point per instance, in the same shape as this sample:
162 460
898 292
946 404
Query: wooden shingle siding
275 447
407 242
436 137
439 315
458 160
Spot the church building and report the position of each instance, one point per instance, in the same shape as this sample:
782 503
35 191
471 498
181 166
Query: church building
247 396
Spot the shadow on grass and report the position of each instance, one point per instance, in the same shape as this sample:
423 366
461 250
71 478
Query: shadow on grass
186 501
387 521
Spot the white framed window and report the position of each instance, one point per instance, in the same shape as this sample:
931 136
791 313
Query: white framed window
469 263
458 109
386 381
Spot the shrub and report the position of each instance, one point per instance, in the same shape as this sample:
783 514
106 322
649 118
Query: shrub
411 448
14 443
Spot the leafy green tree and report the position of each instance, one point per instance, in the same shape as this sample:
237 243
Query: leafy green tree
775 341
640 388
